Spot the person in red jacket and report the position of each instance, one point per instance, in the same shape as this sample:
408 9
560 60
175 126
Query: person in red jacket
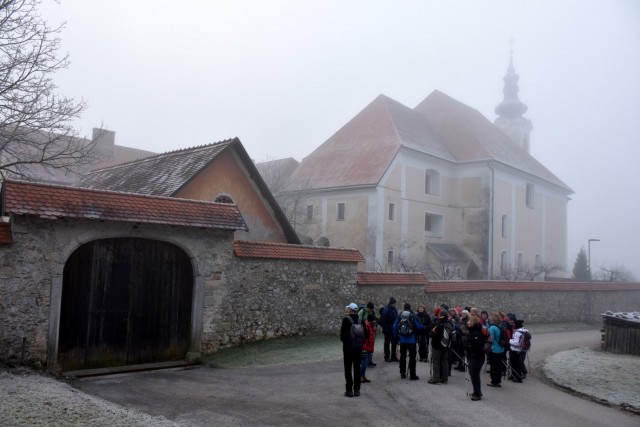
367 348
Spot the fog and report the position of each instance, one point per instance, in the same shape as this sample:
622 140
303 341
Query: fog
283 76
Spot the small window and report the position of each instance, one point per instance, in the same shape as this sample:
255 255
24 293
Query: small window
390 257
530 195
224 199
520 262
538 263
340 214
432 182
392 212
309 213
433 225
505 226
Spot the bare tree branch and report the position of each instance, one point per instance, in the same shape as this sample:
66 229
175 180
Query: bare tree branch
35 121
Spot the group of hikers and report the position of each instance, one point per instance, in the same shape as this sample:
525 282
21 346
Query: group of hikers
457 338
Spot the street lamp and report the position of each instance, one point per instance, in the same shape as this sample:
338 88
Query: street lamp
589 254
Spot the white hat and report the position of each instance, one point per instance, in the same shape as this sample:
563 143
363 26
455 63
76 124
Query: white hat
353 306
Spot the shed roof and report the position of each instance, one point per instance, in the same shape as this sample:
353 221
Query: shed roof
56 201
245 249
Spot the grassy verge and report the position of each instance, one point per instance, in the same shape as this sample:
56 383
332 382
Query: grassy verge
322 348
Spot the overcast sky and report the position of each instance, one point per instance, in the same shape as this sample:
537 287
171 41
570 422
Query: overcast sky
283 76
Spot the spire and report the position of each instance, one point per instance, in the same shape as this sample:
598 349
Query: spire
511 106
511 109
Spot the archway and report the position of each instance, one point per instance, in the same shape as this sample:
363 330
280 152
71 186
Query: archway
125 301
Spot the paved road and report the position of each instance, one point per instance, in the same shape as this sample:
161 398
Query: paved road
312 394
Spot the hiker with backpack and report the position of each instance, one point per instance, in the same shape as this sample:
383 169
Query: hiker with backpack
353 335
441 337
497 337
388 317
405 330
517 344
474 349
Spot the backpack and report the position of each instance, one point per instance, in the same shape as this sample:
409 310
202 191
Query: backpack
447 337
356 337
504 339
405 327
526 341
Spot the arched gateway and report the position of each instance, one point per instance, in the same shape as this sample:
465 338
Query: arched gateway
125 301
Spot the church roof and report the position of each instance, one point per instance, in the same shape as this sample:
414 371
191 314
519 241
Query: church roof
362 150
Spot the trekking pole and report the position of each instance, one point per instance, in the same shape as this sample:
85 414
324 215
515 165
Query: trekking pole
431 365
467 377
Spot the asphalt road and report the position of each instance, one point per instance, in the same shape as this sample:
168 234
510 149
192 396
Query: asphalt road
312 394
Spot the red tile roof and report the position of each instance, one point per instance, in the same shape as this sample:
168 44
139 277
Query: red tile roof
481 286
399 279
244 249
359 154
55 201
5 233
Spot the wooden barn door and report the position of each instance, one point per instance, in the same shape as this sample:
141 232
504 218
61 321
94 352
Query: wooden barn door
125 301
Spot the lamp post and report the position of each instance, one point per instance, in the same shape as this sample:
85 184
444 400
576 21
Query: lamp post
589 255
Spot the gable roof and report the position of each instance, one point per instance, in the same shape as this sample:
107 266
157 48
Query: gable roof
167 173
244 249
471 137
362 150
56 201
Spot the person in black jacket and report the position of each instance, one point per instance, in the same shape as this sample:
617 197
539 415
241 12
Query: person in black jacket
474 348
423 335
351 352
439 357
387 319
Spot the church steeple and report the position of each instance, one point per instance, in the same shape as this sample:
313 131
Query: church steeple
511 109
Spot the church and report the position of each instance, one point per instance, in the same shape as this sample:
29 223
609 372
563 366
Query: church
438 189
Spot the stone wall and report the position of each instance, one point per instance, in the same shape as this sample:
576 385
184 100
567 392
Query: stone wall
238 300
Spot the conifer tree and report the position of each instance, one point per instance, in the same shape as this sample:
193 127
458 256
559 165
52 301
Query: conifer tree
581 267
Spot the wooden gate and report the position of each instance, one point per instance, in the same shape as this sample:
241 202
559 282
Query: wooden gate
125 301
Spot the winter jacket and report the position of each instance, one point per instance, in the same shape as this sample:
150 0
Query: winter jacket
516 342
494 333
425 319
389 314
345 330
476 333
370 340
437 332
408 339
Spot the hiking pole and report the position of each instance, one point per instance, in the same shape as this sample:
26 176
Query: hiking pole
467 377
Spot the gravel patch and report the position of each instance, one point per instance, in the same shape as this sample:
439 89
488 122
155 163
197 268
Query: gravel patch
28 398
607 377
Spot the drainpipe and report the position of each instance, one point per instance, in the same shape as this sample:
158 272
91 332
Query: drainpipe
491 207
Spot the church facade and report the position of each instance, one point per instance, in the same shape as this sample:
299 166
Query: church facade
438 189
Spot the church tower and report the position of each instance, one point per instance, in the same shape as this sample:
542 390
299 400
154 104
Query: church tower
511 109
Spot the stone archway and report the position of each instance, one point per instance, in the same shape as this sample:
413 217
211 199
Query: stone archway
125 301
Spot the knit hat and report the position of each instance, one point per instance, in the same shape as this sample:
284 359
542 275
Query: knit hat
519 324
512 316
407 306
392 300
465 312
370 305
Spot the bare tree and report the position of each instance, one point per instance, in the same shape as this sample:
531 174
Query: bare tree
35 121
614 273
292 201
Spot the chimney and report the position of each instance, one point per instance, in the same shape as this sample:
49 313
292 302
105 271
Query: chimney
105 140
